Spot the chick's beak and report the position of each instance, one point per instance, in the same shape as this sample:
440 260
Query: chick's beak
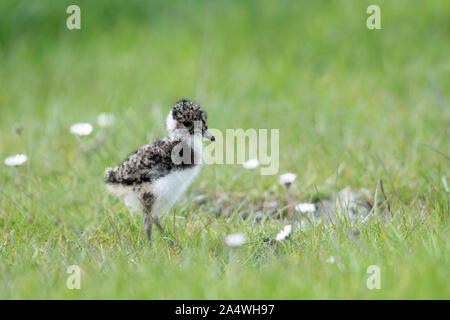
208 135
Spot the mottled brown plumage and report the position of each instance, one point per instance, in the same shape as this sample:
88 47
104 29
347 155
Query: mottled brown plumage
149 163
154 176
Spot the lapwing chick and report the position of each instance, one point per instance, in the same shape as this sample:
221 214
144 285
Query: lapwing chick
153 178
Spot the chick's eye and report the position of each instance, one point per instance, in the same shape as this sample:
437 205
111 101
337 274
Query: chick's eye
187 123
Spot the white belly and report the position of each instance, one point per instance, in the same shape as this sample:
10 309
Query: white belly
131 197
168 189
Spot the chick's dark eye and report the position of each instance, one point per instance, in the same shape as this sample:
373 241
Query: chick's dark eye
187 123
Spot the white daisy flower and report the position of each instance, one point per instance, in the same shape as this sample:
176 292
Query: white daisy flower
288 178
330 260
105 120
81 129
235 240
283 234
251 164
306 207
16 160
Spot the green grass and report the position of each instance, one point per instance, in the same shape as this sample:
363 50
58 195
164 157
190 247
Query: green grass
373 102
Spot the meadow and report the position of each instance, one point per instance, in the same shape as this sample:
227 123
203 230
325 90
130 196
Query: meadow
354 106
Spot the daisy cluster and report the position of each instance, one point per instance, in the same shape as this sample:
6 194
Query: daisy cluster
80 129
286 179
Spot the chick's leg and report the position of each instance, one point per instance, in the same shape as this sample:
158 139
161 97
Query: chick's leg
148 226
148 200
158 224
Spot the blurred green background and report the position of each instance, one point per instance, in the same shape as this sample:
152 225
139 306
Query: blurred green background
374 102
